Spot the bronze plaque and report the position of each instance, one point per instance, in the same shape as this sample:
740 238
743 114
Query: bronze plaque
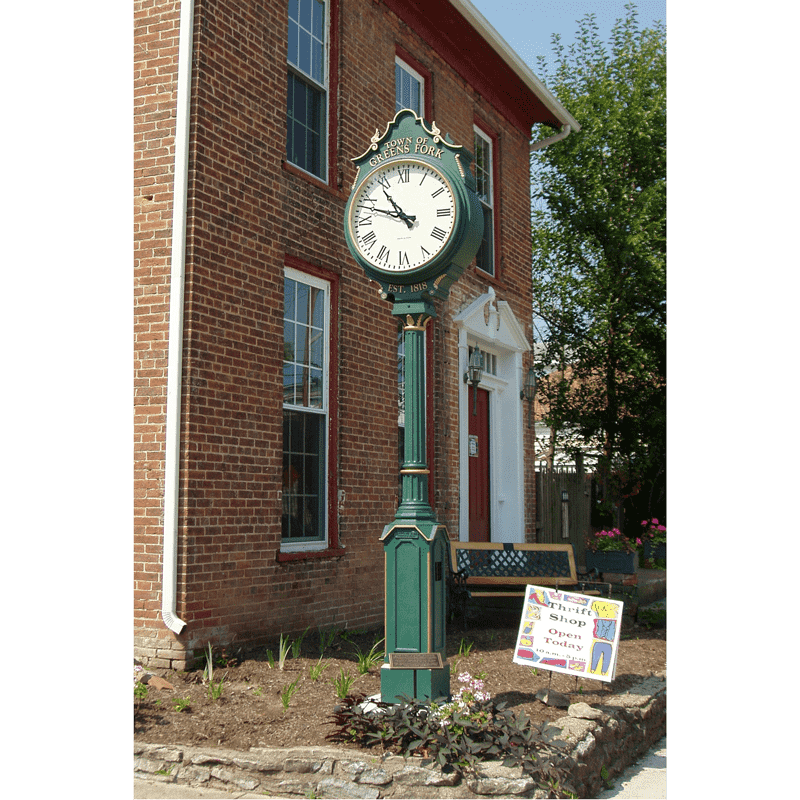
415 661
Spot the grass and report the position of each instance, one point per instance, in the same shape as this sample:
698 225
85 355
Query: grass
342 683
288 692
215 689
325 640
371 659
316 670
298 643
284 646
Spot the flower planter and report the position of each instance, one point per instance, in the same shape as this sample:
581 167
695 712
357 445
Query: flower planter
650 552
612 561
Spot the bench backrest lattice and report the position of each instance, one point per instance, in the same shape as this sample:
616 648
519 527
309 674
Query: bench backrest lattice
514 563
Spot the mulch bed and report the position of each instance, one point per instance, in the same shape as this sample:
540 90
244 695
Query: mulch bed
249 711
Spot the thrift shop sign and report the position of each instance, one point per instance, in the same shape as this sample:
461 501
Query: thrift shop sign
570 633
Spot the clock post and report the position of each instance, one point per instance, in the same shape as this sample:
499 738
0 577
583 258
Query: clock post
415 547
413 222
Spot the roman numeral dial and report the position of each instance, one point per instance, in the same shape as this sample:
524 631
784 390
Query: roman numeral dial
402 215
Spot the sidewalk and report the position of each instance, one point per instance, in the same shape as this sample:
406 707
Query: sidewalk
647 778
644 780
155 790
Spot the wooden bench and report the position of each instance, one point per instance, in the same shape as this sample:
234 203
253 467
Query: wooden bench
501 569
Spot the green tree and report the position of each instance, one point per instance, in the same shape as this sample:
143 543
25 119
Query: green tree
599 256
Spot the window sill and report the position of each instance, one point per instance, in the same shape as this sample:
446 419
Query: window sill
301 555
487 276
313 180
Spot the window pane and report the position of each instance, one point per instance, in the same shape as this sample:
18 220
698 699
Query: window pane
317 307
305 126
319 19
315 392
398 88
407 90
305 52
300 101
301 314
299 147
307 38
305 14
414 100
303 476
316 354
485 257
304 344
289 384
289 289
289 345
301 352
293 39
316 65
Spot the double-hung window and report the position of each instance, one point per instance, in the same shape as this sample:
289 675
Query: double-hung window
307 103
484 177
306 332
409 88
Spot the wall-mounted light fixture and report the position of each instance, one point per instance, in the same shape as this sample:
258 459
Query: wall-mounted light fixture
474 374
529 390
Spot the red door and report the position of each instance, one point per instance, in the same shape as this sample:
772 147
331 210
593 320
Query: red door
479 522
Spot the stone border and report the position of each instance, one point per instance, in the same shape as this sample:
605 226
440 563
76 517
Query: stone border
612 736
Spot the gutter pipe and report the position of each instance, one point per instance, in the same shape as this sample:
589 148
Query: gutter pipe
557 137
176 297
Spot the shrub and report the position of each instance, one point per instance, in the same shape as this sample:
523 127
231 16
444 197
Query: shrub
457 735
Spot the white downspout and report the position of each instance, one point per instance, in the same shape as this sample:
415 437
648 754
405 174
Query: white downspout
176 296
557 137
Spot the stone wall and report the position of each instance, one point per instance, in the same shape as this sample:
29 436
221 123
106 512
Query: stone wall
611 736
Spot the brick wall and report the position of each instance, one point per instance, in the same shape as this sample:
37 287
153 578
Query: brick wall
250 215
156 27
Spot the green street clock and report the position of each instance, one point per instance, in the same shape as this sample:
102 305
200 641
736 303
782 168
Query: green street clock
413 220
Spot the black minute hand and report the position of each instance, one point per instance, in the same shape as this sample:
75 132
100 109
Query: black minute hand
409 221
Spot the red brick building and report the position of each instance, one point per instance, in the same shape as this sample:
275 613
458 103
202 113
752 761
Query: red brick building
267 397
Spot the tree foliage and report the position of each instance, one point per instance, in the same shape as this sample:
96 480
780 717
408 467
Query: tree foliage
599 254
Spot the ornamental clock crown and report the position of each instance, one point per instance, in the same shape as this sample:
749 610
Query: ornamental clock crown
413 220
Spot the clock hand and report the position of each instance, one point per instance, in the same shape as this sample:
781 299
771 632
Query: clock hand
397 215
400 213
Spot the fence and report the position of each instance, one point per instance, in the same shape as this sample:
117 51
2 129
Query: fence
564 506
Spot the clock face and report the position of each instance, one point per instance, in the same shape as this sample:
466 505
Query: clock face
402 215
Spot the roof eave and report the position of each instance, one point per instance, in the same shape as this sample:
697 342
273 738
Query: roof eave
520 68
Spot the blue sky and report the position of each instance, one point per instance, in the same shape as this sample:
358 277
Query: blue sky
527 25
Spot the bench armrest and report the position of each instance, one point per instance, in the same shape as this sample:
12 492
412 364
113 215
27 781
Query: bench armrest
592 579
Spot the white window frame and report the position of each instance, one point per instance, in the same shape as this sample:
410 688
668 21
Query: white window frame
287 545
325 88
488 203
417 77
